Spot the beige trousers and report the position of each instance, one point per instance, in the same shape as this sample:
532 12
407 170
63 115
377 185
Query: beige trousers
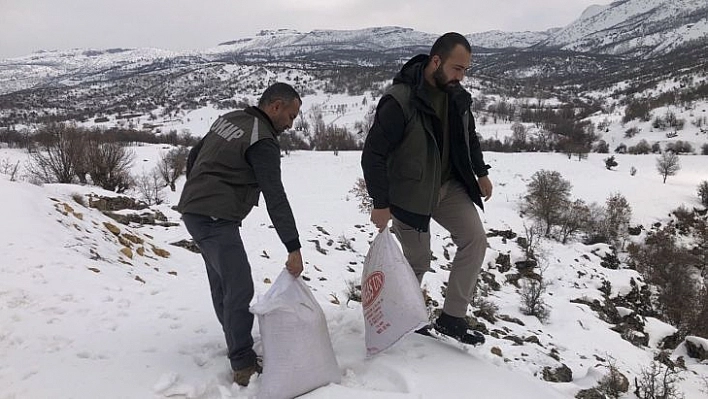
456 213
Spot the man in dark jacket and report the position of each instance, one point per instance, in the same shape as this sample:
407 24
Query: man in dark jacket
237 160
422 160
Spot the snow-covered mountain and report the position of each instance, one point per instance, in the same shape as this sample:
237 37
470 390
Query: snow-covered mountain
646 41
500 39
635 27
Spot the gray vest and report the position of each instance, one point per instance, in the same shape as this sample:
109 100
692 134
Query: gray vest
222 183
414 165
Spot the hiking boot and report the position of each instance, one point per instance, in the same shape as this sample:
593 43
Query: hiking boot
457 328
242 376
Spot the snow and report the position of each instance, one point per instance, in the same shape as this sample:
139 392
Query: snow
625 27
77 322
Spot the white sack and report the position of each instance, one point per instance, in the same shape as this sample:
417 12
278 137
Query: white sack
297 350
390 294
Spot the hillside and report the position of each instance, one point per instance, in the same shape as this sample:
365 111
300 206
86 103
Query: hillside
81 317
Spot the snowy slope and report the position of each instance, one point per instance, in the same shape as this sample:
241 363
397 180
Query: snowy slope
647 27
77 322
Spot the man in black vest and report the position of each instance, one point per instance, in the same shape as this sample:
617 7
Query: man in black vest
422 160
237 160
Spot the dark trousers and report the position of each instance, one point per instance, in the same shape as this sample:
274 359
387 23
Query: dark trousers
230 281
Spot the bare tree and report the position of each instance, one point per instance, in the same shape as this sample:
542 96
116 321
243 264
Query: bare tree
149 185
110 165
618 214
172 165
56 154
668 164
703 192
548 194
10 169
574 218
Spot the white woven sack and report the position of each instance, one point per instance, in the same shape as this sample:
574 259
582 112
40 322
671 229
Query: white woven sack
390 294
297 349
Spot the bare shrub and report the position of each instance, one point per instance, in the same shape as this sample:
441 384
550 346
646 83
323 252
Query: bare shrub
149 186
668 266
487 307
703 192
614 384
56 153
631 132
680 147
109 165
610 162
172 165
531 240
532 302
291 141
547 195
10 169
658 382
642 147
668 164
365 202
574 219
618 214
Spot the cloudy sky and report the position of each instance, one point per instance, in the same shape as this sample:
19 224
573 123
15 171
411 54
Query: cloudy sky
30 25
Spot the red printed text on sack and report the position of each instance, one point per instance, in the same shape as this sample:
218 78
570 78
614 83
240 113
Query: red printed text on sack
372 288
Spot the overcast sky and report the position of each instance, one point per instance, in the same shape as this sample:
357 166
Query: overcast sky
30 25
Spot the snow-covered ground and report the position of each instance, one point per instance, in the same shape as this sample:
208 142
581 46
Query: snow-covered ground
79 319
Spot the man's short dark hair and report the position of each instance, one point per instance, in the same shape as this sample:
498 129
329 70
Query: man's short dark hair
445 43
278 91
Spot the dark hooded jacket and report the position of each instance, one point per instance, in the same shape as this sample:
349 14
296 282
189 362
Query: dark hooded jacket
401 159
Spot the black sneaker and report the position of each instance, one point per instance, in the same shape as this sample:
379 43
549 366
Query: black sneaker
457 328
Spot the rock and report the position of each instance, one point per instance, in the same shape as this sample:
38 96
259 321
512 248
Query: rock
160 252
137 278
140 251
104 204
513 338
155 218
503 262
697 348
124 242
592 393
525 266
496 351
510 319
532 339
490 280
189 245
560 374
127 252
112 228
508 234
133 238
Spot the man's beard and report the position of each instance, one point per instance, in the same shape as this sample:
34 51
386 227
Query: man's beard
443 83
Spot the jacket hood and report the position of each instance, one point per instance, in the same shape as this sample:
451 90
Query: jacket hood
412 71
